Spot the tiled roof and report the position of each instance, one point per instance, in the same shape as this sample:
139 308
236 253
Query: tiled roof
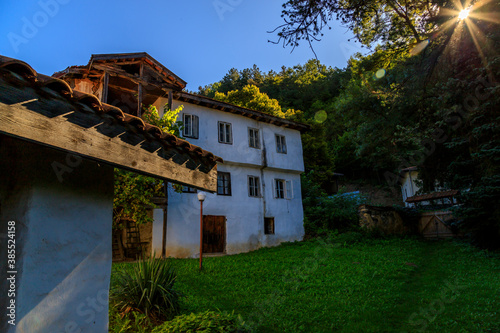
83 102
432 196
413 168
231 108
114 60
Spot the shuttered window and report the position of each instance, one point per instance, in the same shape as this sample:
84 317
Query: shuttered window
283 189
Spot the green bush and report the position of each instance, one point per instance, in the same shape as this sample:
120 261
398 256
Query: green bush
148 288
207 322
323 214
132 323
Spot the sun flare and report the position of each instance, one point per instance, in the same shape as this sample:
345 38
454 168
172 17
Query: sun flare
464 13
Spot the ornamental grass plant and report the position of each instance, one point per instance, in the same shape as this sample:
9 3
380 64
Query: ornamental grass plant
147 287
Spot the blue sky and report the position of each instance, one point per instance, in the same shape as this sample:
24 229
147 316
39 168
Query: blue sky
199 40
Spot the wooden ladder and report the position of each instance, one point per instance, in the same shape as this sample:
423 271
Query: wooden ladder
118 253
134 245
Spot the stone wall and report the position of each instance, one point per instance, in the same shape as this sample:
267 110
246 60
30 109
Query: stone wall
383 219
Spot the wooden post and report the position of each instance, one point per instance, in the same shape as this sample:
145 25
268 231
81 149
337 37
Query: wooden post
201 234
139 92
170 97
105 86
165 219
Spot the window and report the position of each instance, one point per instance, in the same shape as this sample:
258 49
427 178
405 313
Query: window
283 189
279 188
223 183
269 225
280 144
253 138
191 126
253 186
225 134
187 189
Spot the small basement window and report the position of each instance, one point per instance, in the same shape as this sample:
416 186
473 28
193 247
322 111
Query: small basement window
269 225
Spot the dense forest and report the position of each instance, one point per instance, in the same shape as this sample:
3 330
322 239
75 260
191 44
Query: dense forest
427 95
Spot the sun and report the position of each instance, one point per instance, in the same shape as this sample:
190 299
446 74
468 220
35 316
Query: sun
464 13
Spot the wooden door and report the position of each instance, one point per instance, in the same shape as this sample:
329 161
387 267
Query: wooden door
214 234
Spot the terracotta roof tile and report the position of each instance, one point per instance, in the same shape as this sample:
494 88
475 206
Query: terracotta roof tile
432 196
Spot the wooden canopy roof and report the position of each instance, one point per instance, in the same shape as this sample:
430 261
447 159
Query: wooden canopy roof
45 110
128 65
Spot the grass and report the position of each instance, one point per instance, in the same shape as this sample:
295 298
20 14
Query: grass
394 285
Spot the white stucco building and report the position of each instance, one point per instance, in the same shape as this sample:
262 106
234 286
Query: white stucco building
410 190
258 201
409 187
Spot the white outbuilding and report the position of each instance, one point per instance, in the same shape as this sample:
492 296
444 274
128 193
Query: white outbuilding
58 149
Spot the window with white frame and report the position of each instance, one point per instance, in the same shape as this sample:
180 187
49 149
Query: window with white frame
223 183
253 186
280 144
283 189
225 133
253 138
191 126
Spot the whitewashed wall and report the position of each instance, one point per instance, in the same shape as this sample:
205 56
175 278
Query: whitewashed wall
63 237
409 187
239 151
245 215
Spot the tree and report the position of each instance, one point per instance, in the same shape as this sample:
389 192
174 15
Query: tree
250 97
134 192
435 104
388 22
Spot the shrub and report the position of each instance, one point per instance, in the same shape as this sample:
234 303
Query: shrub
323 213
134 323
207 322
148 288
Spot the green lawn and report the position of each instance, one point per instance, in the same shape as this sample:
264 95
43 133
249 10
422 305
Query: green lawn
396 285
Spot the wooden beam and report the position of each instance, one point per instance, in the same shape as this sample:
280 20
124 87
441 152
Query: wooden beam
57 132
170 99
120 88
105 86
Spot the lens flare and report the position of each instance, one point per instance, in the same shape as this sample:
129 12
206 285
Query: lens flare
464 13
380 73
320 116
